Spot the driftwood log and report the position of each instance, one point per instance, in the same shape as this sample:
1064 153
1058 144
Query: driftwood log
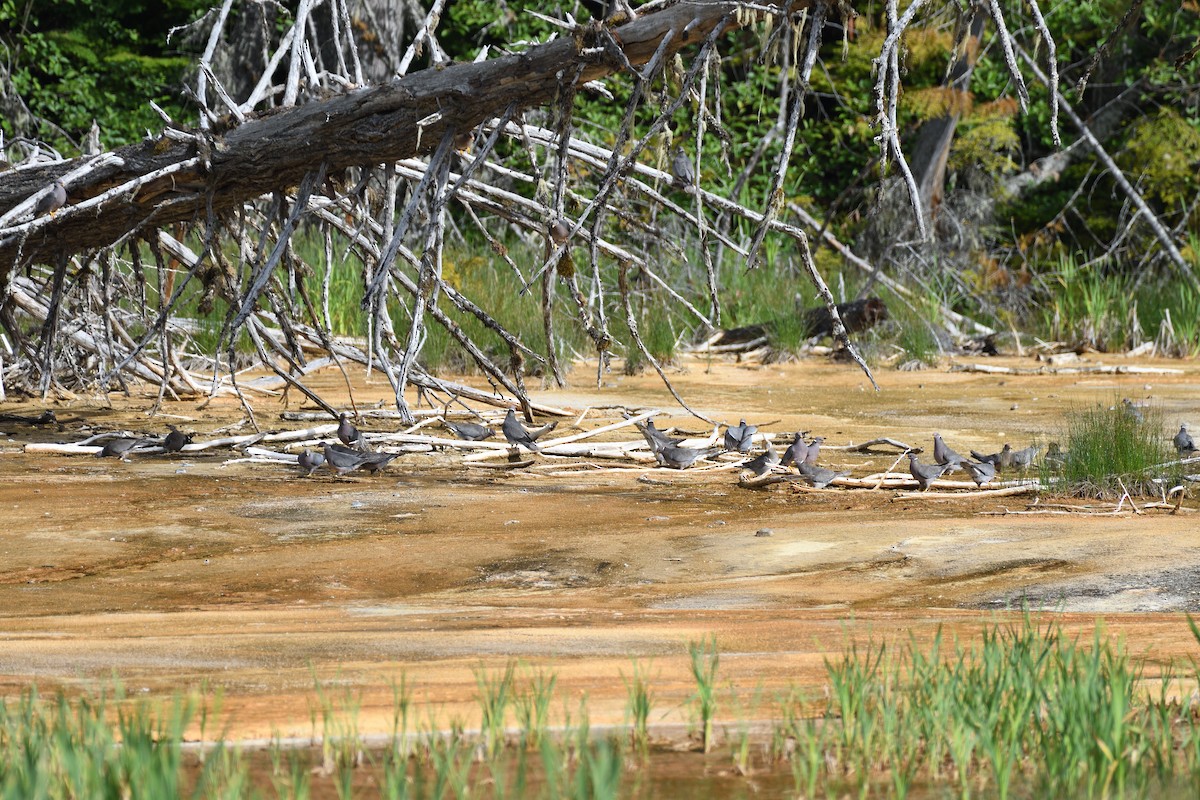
189 176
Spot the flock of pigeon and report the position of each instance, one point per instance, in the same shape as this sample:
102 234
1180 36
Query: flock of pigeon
981 467
351 452
803 456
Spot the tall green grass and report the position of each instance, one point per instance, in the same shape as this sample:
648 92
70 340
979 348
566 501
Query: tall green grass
1110 308
1109 451
1022 710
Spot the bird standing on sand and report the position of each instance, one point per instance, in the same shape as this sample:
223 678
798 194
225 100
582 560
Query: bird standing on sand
342 460
174 441
925 474
1183 441
739 437
797 451
118 447
981 473
818 477
518 436
52 201
814 450
681 168
308 460
677 457
469 431
763 463
347 433
1024 458
369 461
943 455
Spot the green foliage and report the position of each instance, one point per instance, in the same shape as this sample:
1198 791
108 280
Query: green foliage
1110 450
1164 152
1023 710
102 60
1100 305
987 141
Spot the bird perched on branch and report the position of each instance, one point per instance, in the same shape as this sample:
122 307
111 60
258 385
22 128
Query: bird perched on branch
469 431
739 437
925 474
681 168
51 202
981 473
519 436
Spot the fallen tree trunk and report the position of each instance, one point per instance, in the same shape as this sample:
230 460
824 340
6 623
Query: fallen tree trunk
188 176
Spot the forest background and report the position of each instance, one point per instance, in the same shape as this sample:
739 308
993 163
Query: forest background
1029 239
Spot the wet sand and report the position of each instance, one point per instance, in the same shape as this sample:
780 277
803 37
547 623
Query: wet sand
180 572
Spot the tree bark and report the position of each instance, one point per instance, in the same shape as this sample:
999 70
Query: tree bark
932 148
366 126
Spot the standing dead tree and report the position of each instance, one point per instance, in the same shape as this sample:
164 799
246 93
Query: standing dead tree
387 171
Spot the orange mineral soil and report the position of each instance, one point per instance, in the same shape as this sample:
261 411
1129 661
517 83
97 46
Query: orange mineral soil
177 573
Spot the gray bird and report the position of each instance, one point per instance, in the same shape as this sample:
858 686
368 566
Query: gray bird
174 441
118 447
1133 410
308 460
814 450
681 168
677 457
372 462
347 433
796 452
53 201
469 430
925 474
1001 460
739 437
1183 441
1025 458
763 463
654 437
518 436
943 455
343 460
981 473
559 231
1055 455
818 477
